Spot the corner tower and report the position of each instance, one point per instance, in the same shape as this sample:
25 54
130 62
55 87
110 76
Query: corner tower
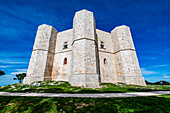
127 66
41 62
85 66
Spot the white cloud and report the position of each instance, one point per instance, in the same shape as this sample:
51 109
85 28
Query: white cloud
12 62
147 72
164 65
4 66
14 73
21 70
18 71
15 62
165 76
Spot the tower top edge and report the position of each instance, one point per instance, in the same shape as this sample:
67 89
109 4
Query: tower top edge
121 27
45 25
68 30
83 11
99 30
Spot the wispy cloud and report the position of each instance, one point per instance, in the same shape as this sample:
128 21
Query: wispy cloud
21 70
147 72
4 66
165 76
164 65
153 58
14 62
14 73
18 71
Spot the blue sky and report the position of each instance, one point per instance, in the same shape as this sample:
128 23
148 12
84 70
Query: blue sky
149 21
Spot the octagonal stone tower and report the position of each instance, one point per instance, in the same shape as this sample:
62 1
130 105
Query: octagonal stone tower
41 62
85 65
127 66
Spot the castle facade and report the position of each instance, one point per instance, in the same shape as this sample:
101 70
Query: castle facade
84 56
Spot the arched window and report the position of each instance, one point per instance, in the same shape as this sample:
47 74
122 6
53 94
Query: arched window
65 45
102 45
65 61
105 62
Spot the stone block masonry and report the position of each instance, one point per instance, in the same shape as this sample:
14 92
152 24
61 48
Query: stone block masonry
41 62
84 56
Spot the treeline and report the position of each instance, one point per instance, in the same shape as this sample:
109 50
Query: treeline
157 83
19 77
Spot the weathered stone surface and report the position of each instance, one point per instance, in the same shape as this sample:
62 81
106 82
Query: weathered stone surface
107 69
41 62
127 66
84 51
91 56
84 25
84 80
60 71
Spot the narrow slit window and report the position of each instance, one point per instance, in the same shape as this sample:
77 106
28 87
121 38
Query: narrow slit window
65 45
101 45
65 61
105 62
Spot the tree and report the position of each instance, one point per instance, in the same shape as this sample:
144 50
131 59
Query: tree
2 73
149 82
20 77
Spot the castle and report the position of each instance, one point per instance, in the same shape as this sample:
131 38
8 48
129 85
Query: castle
84 56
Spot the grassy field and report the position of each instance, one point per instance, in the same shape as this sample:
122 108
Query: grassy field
82 105
65 87
159 104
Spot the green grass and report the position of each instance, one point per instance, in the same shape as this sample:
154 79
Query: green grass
165 96
65 87
83 105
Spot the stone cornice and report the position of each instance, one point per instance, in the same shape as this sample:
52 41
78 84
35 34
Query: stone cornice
63 51
116 51
84 39
51 51
43 50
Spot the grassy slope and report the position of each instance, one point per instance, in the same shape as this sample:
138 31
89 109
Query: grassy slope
64 87
165 96
92 105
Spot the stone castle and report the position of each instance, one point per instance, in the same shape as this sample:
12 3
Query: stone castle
84 56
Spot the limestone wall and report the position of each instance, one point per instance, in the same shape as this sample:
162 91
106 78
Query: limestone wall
105 37
61 71
62 37
84 51
107 68
127 66
41 62
106 57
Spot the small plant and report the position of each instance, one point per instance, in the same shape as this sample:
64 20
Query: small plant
20 77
